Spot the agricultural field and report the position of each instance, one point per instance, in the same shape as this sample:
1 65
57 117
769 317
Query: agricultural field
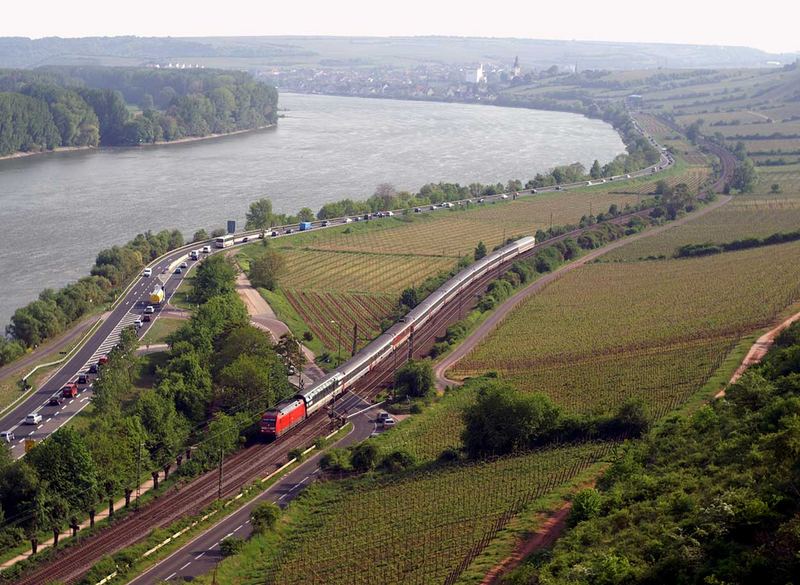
752 215
412 527
675 318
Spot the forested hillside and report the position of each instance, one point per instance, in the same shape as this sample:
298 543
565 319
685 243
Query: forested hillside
91 106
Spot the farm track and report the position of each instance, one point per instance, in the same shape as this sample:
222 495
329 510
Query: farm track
258 460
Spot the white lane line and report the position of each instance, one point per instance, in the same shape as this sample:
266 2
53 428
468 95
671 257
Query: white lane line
198 557
170 577
49 419
184 566
40 426
29 434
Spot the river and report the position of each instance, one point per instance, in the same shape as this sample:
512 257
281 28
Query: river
57 210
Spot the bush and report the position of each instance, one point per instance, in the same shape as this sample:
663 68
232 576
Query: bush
336 460
231 546
308 336
398 461
297 453
364 457
586 504
264 517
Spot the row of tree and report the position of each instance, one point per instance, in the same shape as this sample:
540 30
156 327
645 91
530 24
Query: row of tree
86 106
55 311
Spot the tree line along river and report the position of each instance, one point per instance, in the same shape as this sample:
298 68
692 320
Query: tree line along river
57 210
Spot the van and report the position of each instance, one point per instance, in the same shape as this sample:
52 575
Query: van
194 254
7 436
33 418
206 250
147 272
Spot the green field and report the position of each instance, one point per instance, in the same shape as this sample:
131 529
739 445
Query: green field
654 330
413 527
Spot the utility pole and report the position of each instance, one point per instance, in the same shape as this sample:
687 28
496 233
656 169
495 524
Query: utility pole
411 344
219 489
355 339
551 221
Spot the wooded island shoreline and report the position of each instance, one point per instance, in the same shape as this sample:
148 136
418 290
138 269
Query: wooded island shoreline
62 149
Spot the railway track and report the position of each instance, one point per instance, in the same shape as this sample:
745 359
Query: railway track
258 460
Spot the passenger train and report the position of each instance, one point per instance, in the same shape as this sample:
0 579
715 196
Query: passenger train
293 411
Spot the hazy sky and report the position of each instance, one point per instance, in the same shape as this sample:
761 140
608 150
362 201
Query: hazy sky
770 25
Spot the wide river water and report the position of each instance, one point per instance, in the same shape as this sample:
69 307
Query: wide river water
57 210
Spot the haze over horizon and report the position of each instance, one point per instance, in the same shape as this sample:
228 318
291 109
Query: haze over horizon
770 27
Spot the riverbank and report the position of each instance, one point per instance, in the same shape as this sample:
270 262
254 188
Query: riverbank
61 149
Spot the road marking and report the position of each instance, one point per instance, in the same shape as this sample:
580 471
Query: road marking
49 419
199 556
21 441
170 577
29 434
40 426
184 566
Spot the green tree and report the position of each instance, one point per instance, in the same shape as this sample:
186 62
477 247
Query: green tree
64 459
596 171
264 517
502 420
260 216
305 214
586 504
414 379
745 176
480 251
267 270
215 276
200 235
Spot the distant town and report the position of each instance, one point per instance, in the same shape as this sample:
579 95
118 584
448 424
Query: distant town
475 81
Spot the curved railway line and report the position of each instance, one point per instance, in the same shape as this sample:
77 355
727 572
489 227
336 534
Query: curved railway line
256 461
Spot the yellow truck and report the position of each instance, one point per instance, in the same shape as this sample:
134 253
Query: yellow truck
157 296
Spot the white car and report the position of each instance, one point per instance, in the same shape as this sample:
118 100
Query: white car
147 272
33 418
7 436
149 310
138 322
389 422
206 250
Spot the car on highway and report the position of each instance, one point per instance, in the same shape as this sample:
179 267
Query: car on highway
288 231
147 272
206 249
325 223
55 400
245 240
184 265
93 369
417 210
389 422
7 436
273 234
149 310
503 196
33 418
627 176
102 360
347 220
179 270
83 379
70 390
382 416
138 323
146 318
